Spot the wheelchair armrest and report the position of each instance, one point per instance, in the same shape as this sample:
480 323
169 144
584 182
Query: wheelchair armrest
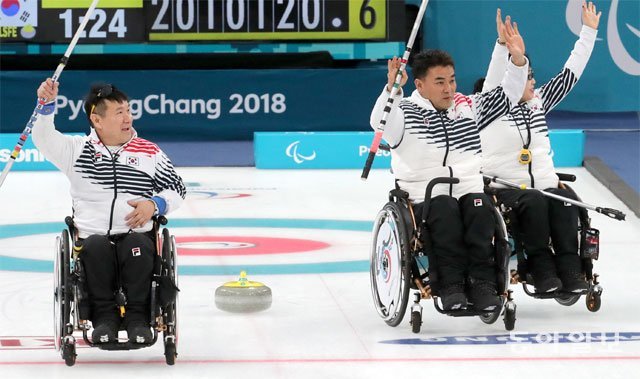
398 193
566 177
161 220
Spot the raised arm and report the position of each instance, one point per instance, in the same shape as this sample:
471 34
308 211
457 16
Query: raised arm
55 146
496 103
499 57
559 86
394 127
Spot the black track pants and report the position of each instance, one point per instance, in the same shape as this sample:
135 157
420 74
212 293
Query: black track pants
540 218
461 233
135 254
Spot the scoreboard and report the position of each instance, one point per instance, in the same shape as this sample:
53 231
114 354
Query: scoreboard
135 21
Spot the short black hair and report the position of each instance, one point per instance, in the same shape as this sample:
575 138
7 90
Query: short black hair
426 59
94 101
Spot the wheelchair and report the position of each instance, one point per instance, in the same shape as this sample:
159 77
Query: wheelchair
588 238
399 264
70 314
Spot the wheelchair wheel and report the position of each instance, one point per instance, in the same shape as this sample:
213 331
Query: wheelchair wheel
61 289
491 317
170 313
594 301
510 316
390 266
416 321
567 300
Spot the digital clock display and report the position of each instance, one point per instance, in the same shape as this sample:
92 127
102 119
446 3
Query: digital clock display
133 21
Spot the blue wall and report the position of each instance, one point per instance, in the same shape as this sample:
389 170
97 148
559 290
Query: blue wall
611 81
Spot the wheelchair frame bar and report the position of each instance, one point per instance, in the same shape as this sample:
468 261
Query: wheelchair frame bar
610 212
41 102
394 90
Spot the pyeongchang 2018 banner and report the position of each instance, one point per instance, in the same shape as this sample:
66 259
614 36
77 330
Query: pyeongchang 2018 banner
206 105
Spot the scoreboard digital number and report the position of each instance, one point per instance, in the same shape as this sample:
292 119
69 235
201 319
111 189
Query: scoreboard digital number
134 21
266 20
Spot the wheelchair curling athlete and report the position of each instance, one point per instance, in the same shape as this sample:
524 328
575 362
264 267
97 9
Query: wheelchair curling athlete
434 133
118 183
516 148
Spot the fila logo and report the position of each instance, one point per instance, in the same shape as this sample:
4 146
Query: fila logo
477 202
135 251
98 157
132 161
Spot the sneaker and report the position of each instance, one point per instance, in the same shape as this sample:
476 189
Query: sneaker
483 295
105 331
573 281
543 272
453 297
546 283
139 332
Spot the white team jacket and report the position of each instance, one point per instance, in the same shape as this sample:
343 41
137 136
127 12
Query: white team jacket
427 143
503 139
102 183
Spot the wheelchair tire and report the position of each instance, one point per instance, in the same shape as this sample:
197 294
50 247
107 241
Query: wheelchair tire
567 300
594 301
416 321
170 313
491 317
69 353
61 289
390 265
510 316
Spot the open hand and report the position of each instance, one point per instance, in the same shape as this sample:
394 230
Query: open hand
589 16
499 26
514 41
142 212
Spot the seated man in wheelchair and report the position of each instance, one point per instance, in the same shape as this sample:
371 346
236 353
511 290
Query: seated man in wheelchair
118 183
434 133
516 148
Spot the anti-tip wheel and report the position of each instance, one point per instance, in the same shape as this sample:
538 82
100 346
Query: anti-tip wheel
243 296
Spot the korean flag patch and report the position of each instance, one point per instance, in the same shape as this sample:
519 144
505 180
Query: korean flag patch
135 251
132 161
477 202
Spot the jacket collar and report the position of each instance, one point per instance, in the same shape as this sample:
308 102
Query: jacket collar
93 136
417 99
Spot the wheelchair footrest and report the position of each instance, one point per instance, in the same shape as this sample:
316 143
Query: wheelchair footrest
122 345
555 294
461 312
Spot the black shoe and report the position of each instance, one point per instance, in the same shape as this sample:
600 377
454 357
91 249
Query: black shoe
483 295
105 331
139 332
573 281
546 283
543 271
453 297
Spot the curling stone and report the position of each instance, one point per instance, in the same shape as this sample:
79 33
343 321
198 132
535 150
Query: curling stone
243 296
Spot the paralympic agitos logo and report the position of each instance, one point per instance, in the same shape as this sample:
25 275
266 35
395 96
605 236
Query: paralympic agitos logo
619 53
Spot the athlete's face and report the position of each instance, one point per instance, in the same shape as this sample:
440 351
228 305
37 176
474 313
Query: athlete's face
114 123
438 86
529 87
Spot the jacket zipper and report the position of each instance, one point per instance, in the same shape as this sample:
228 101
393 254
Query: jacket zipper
114 158
446 153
